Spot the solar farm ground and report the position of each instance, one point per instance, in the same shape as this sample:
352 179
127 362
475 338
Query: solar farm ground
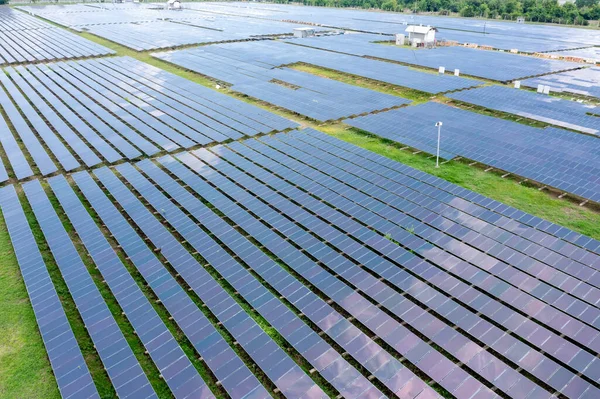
24 368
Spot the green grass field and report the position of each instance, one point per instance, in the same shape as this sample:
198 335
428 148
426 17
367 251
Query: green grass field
24 367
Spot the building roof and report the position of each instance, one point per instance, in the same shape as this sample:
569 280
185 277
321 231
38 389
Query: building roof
420 29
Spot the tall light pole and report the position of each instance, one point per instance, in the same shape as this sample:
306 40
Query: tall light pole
437 158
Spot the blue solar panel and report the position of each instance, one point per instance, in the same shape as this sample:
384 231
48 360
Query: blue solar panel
278 366
69 367
276 53
556 111
584 81
494 65
25 38
387 329
342 376
214 350
383 246
554 157
284 160
137 307
81 148
318 98
118 359
572 245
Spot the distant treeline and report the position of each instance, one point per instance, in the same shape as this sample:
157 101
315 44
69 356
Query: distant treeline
578 13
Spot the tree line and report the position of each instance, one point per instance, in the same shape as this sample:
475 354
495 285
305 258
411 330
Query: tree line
579 12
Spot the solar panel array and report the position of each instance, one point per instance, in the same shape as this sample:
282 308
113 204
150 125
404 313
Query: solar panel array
584 82
494 65
75 113
590 54
313 96
499 41
553 110
540 37
69 367
150 26
352 258
24 38
274 54
554 157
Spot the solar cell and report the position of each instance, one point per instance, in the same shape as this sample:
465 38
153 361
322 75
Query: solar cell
118 359
69 367
554 157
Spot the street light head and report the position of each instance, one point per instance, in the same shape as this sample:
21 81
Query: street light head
439 124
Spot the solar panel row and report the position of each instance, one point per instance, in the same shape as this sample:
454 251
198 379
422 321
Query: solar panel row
549 295
24 38
90 112
456 312
154 334
544 37
270 54
120 363
278 366
333 367
367 243
12 20
584 81
556 111
68 364
329 199
148 27
554 157
318 98
551 236
230 370
494 65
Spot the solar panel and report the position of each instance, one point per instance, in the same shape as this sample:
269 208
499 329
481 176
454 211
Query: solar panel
277 365
494 65
556 111
554 157
118 359
209 60
24 38
137 307
93 113
335 369
215 351
386 328
69 367
97 111
318 98
468 322
57 124
147 27
585 81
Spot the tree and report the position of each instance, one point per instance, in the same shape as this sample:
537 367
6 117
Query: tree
585 3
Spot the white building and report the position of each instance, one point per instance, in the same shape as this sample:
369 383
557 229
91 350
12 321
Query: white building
304 32
419 35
